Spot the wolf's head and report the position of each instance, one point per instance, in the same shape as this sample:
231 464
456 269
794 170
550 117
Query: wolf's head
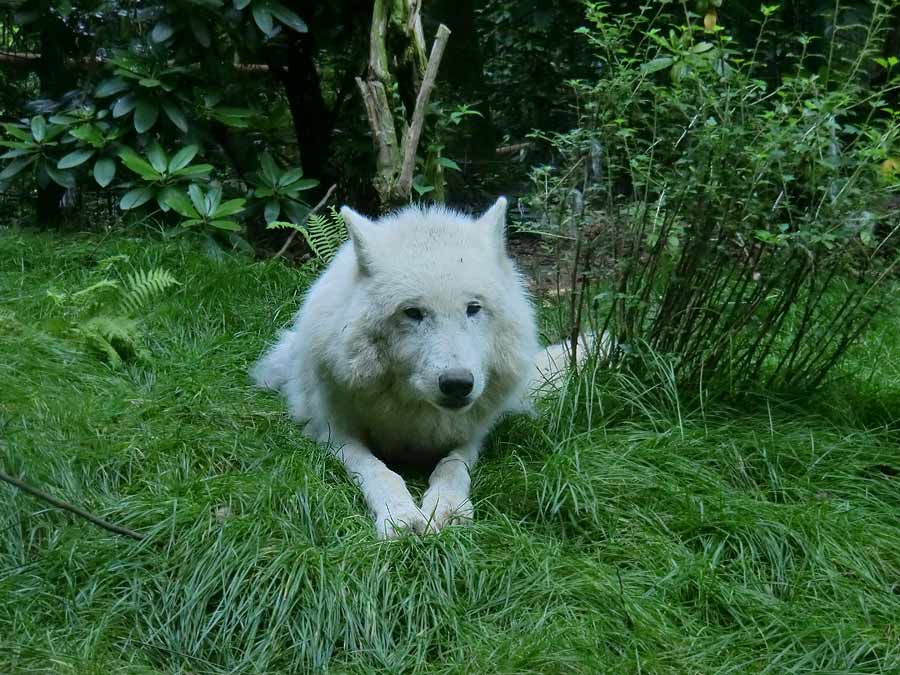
441 305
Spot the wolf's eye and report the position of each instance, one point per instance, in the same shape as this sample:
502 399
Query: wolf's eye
473 309
414 313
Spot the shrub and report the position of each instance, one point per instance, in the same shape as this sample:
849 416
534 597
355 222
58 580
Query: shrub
737 216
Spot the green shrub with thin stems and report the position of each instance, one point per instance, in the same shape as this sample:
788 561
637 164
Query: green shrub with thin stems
740 218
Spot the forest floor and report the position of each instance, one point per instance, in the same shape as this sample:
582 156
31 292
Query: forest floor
621 530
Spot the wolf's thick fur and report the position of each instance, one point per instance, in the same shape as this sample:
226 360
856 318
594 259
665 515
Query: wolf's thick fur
412 343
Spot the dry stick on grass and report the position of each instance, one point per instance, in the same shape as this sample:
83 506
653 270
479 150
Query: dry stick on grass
311 213
66 506
411 142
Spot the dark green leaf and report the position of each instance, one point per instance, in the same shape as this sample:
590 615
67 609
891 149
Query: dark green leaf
296 212
53 131
263 18
17 152
182 158
162 31
180 202
198 199
421 187
305 184
229 208
213 197
241 4
173 112
157 157
270 171
288 18
88 133
290 176
17 132
38 128
135 198
448 163
145 115
272 210
656 65
62 178
233 117
104 171
195 171
124 105
137 164
74 159
111 86
229 225
15 167
680 70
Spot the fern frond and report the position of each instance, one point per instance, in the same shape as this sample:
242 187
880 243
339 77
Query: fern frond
115 338
325 234
143 286
284 225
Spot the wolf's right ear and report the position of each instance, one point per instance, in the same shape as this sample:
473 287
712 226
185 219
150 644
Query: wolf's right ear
495 220
360 230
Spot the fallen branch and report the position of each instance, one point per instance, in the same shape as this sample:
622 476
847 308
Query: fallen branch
411 142
31 59
514 148
71 508
311 213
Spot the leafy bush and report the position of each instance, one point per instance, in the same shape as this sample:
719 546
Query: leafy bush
730 220
152 96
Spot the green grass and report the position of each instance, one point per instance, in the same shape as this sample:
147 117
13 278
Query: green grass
620 532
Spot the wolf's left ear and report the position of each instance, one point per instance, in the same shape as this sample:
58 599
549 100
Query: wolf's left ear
360 230
495 219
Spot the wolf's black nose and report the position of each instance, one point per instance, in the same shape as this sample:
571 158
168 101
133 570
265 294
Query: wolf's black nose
456 382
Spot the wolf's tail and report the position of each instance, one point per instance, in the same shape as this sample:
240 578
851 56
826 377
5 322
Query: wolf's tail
272 371
555 360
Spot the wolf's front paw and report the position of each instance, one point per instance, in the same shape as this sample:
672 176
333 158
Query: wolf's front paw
399 518
446 508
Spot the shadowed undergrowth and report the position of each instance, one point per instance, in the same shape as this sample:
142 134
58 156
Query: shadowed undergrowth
621 530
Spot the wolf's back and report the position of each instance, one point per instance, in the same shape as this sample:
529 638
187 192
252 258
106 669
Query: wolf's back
553 361
273 370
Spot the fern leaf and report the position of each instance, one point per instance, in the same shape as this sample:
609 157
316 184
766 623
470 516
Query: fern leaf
143 286
325 234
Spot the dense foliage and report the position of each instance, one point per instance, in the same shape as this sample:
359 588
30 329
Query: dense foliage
744 219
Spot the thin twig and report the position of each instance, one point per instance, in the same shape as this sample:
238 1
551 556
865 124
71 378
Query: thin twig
311 213
66 506
411 142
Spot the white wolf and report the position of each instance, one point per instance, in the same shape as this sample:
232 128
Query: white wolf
411 344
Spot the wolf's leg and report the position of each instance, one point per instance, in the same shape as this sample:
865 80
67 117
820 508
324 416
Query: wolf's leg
446 501
384 491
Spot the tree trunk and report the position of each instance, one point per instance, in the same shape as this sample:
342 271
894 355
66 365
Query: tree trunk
54 82
397 46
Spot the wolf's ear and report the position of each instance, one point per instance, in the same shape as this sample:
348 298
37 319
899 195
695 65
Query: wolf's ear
360 230
495 219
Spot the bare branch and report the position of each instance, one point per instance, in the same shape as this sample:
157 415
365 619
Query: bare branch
314 210
66 506
411 142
